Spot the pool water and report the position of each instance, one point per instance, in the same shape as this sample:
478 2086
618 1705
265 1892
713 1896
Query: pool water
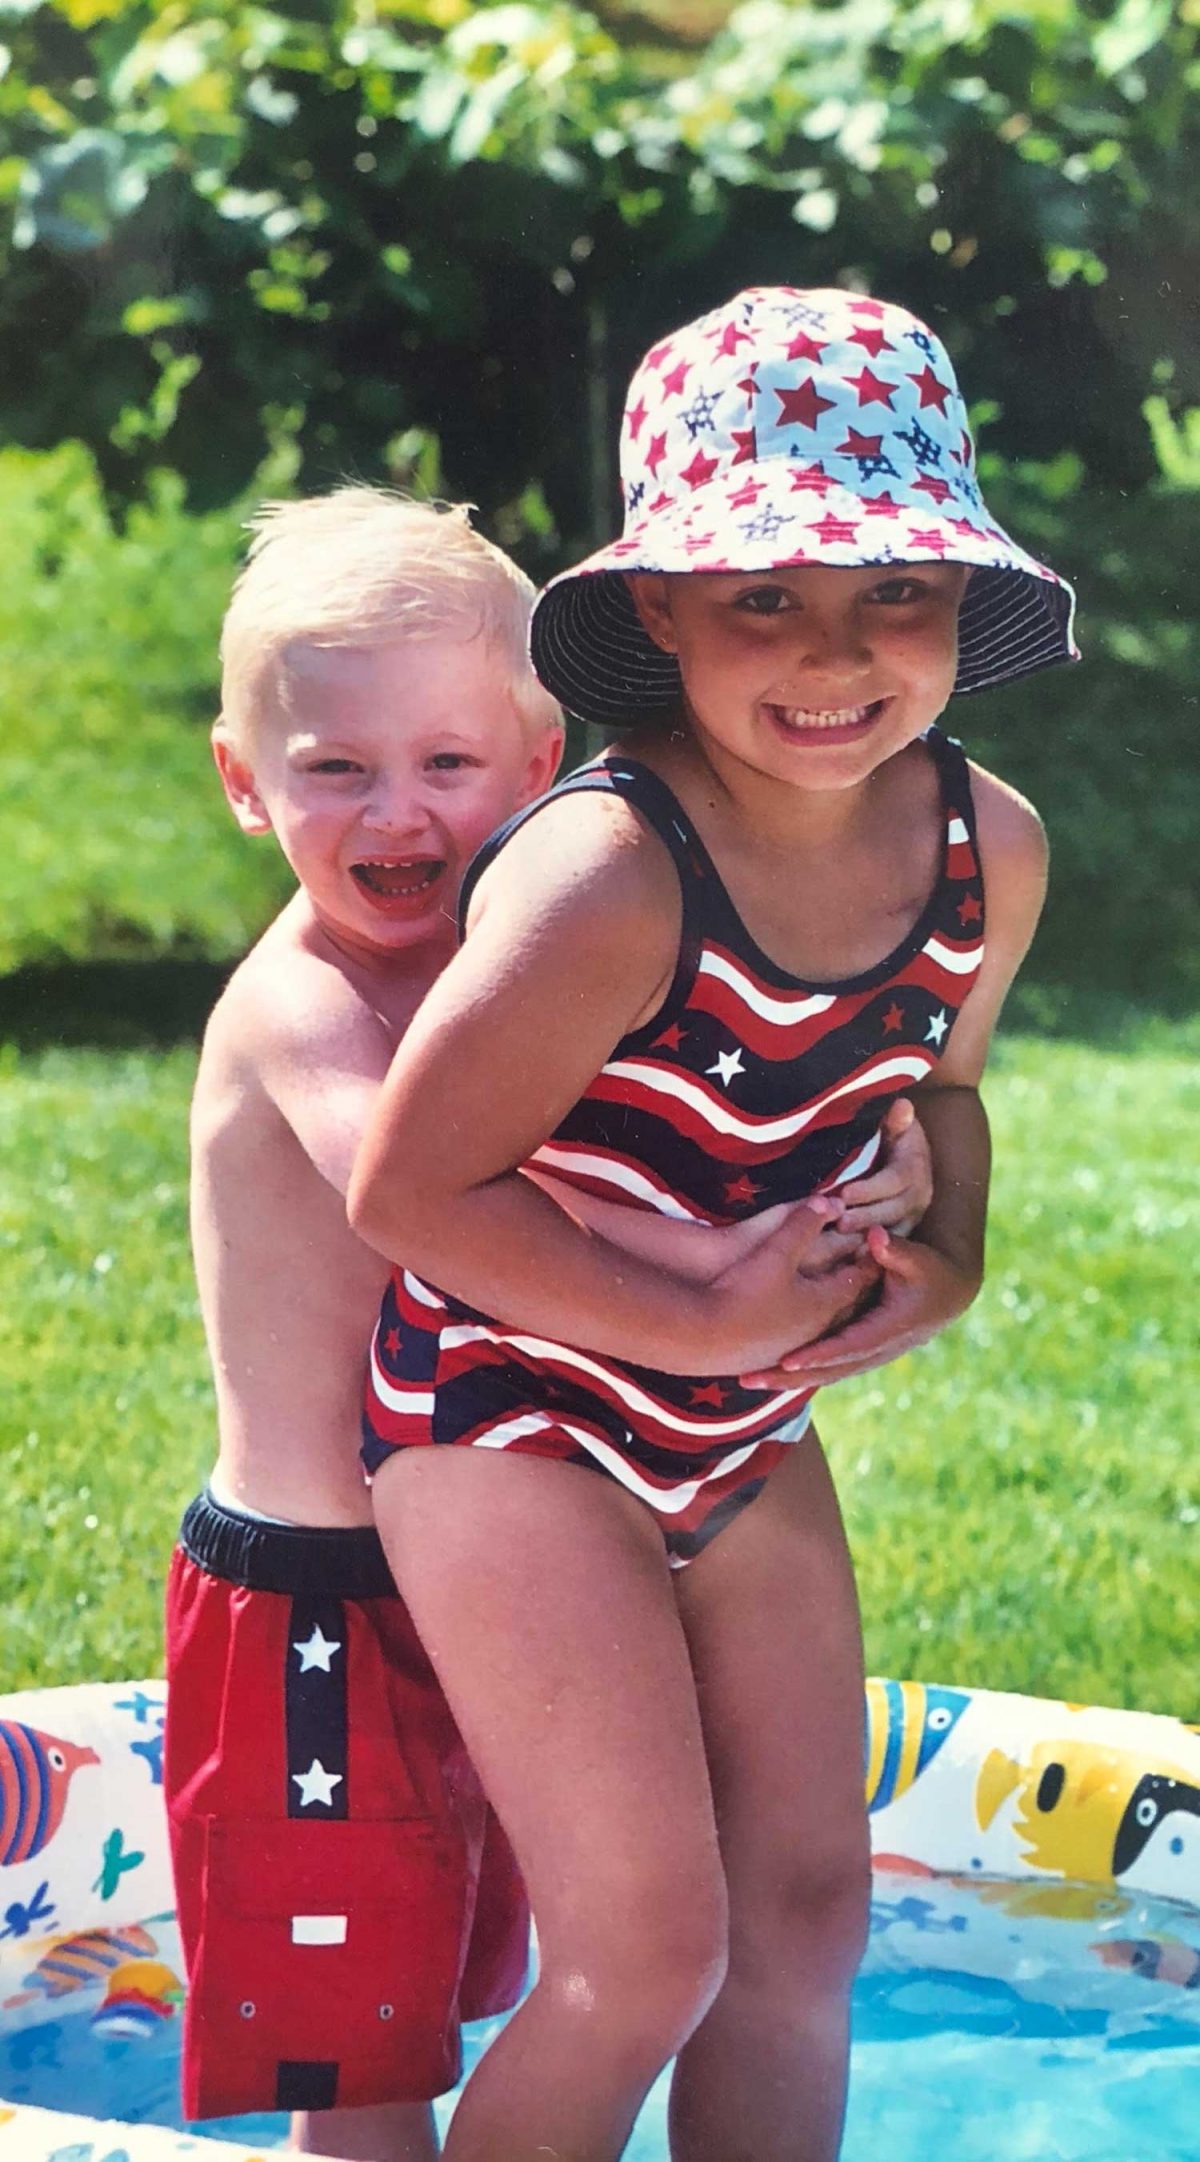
994 2020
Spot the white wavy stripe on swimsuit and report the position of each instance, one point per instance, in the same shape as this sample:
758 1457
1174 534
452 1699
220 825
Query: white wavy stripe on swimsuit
545 1352
958 963
668 1500
784 1010
723 1119
957 831
858 1164
422 1293
611 1171
411 1396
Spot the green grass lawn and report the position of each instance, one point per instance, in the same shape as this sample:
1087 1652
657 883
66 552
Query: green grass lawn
1022 1496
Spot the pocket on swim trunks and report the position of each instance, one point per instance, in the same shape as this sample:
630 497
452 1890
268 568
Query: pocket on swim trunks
327 1968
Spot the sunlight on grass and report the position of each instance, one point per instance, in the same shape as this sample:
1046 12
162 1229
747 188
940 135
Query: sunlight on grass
1022 1497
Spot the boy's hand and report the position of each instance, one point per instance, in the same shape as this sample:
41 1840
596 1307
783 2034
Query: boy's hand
920 1293
809 1278
899 1192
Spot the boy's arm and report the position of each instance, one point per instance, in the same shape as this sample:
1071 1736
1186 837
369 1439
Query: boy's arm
321 1055
931 1278
573 942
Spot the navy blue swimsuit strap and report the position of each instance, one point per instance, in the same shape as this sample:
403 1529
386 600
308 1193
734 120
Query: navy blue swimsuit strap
954 774
611 775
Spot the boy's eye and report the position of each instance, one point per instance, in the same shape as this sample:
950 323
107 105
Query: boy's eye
334 765
763 600
450 761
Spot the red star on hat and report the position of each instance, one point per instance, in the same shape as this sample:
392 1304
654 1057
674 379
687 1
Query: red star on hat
637 414
871 388
860 446
805 347
871 341
747 446
731 337
933 538
656 453
659 353
886 503
803 403
696 543
673 383
835 529
700 470
811 476
929 484
931 388
747 495
963 527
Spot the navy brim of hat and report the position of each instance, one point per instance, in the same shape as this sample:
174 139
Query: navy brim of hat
591 653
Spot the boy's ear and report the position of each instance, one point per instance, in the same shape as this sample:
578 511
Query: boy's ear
541 767
648 590
237 779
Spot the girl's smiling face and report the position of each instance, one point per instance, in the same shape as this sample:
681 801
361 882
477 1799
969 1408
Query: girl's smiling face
811 674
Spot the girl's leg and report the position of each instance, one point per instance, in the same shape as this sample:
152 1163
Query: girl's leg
394 2132
772 1622
542 1594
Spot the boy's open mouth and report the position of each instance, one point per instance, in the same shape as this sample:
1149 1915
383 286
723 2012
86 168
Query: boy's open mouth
394 880
831 723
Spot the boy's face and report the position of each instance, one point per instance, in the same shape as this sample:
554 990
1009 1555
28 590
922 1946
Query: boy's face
813 675
390 768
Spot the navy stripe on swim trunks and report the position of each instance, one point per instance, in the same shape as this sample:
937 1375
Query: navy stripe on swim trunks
746 1089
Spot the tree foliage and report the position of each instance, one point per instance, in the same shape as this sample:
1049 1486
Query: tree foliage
428 236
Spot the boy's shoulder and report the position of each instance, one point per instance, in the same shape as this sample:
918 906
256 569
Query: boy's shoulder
290 998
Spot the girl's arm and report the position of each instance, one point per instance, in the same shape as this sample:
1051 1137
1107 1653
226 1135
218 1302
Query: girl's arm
931 1278
573 940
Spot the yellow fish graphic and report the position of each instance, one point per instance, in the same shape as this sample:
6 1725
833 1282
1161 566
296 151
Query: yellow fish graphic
1083 1809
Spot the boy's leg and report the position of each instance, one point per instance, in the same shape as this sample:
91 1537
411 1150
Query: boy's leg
542 1594
772 1622
396 2132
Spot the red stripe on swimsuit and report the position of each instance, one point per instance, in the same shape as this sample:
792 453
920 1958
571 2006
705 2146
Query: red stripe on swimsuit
748 1088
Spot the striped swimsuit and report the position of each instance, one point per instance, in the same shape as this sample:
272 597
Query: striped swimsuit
746 1089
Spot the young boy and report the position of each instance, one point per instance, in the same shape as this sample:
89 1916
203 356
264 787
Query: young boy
345 1897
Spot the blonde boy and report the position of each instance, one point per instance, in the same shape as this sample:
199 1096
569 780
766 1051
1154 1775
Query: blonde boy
344 1895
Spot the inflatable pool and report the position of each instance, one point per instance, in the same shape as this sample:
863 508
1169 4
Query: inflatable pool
1034 1959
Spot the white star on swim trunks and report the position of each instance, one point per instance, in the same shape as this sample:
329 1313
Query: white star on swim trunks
317 1785
938 1025
728 1064
317 1652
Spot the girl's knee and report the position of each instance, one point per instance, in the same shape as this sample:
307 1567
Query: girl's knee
804 1925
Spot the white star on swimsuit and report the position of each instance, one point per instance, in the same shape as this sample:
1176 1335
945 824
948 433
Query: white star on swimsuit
728 1064
938 1025
317 1785
317 1652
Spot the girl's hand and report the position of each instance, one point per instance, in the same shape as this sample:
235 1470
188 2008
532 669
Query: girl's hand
808 1278
899 1192
921 1292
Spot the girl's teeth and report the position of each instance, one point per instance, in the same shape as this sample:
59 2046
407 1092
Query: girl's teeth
823 717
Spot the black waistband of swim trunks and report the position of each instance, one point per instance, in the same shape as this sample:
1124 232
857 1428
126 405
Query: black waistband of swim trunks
295 1559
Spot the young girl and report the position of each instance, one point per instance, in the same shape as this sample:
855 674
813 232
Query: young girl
696 978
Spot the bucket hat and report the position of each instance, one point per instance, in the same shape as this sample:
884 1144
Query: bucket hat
793 427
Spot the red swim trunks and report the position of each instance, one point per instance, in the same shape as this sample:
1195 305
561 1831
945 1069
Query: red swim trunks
346 1897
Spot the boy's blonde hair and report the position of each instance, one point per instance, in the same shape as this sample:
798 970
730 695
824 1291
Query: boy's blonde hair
363 566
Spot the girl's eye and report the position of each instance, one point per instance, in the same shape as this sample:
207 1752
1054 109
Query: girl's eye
895 592
763 600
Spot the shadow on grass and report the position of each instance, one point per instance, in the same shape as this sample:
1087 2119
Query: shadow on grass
148 1003
122 1005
